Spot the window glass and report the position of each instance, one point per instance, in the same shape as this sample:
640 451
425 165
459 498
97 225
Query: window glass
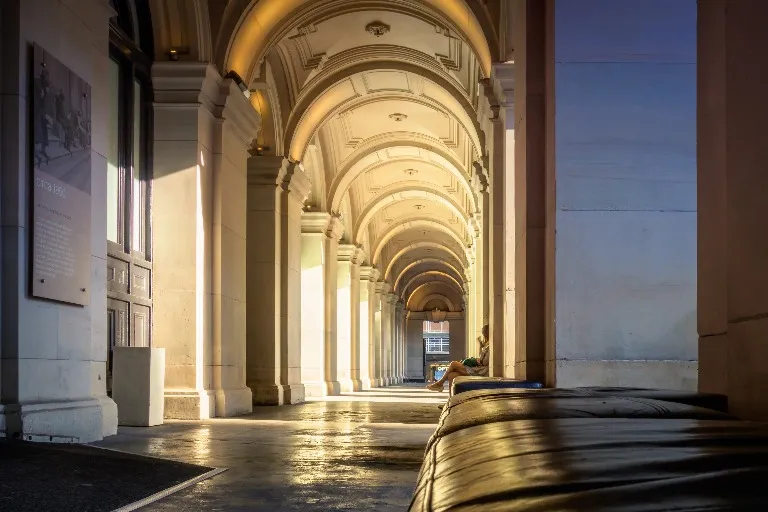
113 170
138 174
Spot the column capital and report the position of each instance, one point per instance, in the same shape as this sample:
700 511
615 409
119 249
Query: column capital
185 84
365 272
480 179
335 227
375 274
399 306
391 298
233 106
279 172
315 222
349 253
503 83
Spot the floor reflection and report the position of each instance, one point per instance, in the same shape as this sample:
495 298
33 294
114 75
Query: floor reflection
357 452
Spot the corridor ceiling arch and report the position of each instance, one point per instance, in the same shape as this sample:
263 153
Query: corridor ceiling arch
373 95
414 223
377 150
442 300
430 246
256 25
429 264
422 196
436 275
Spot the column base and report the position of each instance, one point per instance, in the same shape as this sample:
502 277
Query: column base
374 383
294 394
332 388
190 404
357 385
66 421
278 394
346 386
314 389
233 402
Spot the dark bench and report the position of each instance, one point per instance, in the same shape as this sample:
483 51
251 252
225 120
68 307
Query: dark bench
591 449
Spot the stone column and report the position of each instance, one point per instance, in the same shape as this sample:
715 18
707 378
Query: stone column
366 326
379 287
391 356
482 267
398 309
374 329
235 130
414 334
732 215
277 189
384 327
403 346
203 129
335 231
314 239
348 318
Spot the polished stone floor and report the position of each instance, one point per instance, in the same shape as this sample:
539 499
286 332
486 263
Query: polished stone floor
360 451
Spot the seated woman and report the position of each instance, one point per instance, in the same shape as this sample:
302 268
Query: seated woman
458 368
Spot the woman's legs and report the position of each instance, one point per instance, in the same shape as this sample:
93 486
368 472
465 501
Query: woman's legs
455 369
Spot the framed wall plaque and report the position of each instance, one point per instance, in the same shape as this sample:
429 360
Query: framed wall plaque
61 181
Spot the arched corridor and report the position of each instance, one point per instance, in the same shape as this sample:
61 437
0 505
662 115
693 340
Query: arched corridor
362 196
268 199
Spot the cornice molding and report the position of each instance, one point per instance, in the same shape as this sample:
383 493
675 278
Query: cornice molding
335 228
186 84
315 223
234 107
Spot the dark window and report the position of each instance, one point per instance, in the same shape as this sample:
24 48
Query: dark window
129 178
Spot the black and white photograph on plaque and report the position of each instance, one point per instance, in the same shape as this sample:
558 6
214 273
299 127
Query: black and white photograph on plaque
61 206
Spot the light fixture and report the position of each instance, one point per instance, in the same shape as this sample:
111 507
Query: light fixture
176 52
419 206
411 172
232 75
397 117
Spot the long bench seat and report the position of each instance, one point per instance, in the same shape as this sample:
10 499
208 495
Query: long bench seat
595 465
591 449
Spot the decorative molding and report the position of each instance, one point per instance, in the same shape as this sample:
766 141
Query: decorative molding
335 227
453 61
309 59
315 222
185 84
377 28
234 107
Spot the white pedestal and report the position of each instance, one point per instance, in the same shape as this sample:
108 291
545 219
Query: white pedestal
138 379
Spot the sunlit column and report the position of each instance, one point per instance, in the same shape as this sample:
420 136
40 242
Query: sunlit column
314 227
374 328
356 352
399 343
403 351
182 236
277 189
366 326
397 309
335 230
384 328
234 136
348 317
388 336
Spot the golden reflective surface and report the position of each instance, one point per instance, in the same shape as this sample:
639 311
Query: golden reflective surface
360 451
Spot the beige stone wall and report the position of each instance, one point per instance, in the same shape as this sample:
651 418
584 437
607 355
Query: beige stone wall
53 355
